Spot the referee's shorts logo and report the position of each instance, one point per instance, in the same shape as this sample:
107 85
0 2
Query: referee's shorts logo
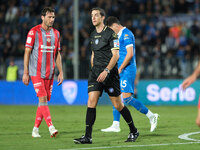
111 90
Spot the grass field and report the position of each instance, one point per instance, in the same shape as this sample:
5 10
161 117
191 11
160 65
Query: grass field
16 123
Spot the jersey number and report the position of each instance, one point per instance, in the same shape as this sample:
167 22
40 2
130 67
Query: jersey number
123 83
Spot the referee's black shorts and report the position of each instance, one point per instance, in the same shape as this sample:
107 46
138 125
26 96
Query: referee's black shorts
111 85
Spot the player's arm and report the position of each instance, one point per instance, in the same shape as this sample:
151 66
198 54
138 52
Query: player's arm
189 80
111 64
114 44
59 66
91 60
114 59
28 48
127 59
25 78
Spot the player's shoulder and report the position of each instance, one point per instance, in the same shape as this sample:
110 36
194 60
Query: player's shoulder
127 34
109 32
33 30
127 31
36 28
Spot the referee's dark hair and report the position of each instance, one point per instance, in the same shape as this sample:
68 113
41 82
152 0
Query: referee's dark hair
102 12
47 9
110 20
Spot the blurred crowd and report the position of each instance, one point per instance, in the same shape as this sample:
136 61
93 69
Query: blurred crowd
167 32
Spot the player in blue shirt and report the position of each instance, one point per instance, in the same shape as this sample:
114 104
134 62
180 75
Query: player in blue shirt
127 71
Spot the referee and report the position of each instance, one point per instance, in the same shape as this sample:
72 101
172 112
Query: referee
104 76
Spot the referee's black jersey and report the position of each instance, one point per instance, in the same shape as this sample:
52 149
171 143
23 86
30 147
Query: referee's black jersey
101 44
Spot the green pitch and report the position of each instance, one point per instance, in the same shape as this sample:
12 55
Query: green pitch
16 123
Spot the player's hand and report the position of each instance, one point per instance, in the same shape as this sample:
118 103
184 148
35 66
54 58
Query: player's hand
25 79
188 81
119 70
60 79
102 76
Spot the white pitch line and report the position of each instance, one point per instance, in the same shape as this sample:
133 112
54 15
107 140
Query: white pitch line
126 146
185 136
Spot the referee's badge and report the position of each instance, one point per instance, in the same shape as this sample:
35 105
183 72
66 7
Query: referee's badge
96 41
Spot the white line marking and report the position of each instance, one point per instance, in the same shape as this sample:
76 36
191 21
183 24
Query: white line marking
185 136
124 146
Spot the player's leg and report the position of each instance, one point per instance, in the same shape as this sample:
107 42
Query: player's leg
43 89
198 118
37 83
127 89
94 91
90 118
153 118
198 115
116 101
45 109
38 120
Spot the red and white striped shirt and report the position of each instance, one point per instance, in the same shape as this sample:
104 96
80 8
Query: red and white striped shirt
45 45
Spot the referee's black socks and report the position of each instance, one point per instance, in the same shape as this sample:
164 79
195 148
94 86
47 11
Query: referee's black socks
90 119
127 117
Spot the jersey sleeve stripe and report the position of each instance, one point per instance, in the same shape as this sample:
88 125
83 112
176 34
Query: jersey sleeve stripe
115 48
130 45
28 46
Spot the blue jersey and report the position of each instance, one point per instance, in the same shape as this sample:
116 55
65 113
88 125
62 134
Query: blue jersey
127 76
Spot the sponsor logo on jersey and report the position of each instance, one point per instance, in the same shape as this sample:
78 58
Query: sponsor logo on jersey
37 84
96 41
97 36
70 91
126 36
48 49
48 39
29 39
116 43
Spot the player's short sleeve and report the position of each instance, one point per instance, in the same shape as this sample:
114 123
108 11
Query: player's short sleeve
30 38
58 34
114 41
129 40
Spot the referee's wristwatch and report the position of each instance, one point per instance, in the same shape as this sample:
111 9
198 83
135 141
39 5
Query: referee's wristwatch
107 70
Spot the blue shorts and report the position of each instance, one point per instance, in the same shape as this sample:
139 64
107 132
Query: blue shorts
127 79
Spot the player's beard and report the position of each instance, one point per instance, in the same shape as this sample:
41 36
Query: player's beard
97 24
48 24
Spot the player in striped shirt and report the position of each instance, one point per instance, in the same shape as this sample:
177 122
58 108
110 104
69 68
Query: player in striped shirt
127 71
42 51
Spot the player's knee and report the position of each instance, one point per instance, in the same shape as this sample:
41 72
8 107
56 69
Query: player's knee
118 106
92 103
43 99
